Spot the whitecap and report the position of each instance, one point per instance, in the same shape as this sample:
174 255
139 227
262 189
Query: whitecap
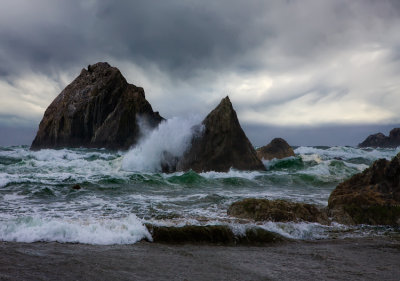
127 230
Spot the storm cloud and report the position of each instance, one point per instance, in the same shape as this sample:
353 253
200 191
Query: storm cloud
284 64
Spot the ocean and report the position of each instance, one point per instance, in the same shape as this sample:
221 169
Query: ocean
118 196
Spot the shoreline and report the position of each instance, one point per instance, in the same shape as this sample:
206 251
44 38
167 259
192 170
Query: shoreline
371 258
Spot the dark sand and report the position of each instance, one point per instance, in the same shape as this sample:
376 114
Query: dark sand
349 259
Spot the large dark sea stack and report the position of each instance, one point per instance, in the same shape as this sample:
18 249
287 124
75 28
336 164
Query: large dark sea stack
380 140
98 109
371 197
277 148
221 144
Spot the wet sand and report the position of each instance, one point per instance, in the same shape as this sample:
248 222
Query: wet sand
348 259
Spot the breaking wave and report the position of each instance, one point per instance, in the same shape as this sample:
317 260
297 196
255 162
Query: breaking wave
163 145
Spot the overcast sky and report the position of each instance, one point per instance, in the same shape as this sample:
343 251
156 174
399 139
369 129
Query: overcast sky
312 71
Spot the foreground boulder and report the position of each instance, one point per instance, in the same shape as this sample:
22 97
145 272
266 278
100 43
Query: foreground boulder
212 234
278 148
380 140
220 144
98 109
371 197
277 211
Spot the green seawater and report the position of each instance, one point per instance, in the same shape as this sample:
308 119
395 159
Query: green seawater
37 199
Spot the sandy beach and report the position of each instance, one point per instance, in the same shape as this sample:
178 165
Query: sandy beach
345 259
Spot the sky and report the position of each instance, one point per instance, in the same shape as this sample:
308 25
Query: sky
313 72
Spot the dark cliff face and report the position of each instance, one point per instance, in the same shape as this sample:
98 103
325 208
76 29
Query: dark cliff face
370 197
380 140
221 144
98 109
277 148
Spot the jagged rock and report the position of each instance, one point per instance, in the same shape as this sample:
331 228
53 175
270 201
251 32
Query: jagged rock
371 197
380 140
220 144
98 109
277 148
277 211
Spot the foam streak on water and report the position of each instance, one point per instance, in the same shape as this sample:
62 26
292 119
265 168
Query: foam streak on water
121 191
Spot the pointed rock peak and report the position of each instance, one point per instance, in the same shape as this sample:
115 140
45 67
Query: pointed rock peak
223 116
222 144
225 104
226 101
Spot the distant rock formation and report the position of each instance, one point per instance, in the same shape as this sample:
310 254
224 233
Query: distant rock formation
277 211
277 148
98 109
380 140
371 197
220 144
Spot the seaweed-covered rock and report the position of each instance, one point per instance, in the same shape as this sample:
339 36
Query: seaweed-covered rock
278 148
220 144
98 109
277 210
371 197
212 234
380 140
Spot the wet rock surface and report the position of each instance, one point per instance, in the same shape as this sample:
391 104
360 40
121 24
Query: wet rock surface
371 197
278 148
380 140
220 144
212 234
277 211
98 109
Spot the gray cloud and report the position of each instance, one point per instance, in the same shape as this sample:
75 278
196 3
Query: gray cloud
282 62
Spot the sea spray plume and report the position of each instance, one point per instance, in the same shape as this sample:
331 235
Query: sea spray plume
144 126
161 148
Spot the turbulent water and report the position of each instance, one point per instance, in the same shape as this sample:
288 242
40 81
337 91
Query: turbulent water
120 194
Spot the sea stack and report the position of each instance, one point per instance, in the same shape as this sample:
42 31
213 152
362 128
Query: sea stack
371 197
380 140
99 109
278 148
220 144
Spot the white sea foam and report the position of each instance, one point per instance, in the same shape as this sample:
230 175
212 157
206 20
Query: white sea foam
345 152
171 138
4 179
128 230
232 173
302 230
13 197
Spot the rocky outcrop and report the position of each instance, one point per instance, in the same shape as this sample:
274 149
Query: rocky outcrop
98 109
278 148
371 197
380 140
277 211
220 144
